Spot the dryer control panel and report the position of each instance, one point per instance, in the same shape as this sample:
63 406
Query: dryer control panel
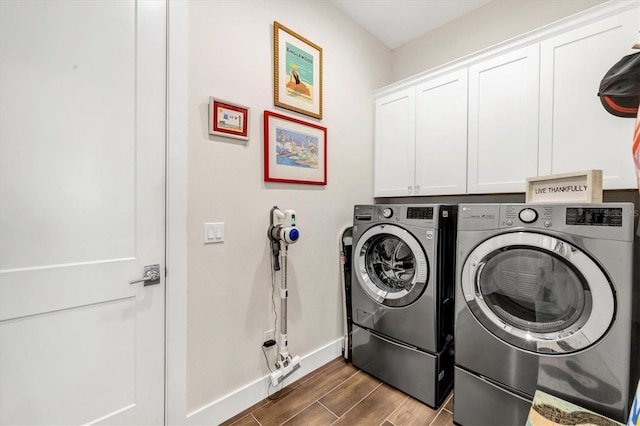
590 216
420 213
613 221
428 215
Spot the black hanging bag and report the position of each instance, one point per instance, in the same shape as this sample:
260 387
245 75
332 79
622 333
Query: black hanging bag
620 88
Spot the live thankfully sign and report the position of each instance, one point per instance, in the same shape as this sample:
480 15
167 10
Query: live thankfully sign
579 187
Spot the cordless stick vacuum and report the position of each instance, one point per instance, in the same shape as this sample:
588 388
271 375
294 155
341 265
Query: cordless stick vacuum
283 232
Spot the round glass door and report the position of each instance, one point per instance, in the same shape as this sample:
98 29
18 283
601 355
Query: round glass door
538 293
392 267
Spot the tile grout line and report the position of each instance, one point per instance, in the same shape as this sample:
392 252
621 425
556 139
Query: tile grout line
356 404
334 388
328 409
254 418
442 408
437 415
318 399
298 412
337 418
327 393
397 408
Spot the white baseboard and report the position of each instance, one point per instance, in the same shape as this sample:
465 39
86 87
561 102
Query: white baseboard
228 406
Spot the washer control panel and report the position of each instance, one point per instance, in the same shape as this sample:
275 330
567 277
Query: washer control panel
612 221
528 215
524 214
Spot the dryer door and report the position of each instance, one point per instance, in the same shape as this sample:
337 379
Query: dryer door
391 265
538 293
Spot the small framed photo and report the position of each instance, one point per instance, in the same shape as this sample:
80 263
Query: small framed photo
228 119
297 71
294 151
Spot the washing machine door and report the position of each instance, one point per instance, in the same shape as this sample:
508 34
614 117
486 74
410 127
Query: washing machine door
391 265
538 293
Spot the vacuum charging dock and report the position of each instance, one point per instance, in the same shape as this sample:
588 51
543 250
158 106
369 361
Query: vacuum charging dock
284 371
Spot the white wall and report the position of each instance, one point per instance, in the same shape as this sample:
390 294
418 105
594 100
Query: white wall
484 27
229 284
231 57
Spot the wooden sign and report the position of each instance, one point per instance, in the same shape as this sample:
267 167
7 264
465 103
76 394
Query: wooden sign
579 187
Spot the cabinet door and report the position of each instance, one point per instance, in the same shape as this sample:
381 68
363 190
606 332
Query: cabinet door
576 132
503 121
441 135
395 144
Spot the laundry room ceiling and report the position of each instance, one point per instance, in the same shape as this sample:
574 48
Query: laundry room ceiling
396 22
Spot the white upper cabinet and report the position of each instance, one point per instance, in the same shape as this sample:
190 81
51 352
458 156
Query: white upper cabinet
395 144
421 138
576 132
503 121
441 135
525 108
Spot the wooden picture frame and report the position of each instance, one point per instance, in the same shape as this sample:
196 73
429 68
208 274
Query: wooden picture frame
578 187
297 72
294 151
228 119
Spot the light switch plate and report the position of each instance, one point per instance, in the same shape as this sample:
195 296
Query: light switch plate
213 232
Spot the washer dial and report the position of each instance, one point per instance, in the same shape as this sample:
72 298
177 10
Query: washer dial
528 215
387 212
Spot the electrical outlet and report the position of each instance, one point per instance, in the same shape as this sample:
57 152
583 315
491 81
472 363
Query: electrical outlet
269 335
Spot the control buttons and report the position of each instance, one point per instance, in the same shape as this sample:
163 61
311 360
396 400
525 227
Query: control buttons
547 223
509 222
528 215
387 212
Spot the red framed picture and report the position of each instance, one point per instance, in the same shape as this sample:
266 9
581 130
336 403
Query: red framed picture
295 151
228 119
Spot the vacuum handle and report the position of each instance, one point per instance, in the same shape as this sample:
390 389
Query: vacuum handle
275 252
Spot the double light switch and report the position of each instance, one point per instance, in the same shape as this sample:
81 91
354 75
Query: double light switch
214 232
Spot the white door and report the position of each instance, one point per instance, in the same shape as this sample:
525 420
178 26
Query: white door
395 144
576 132
503 122
441 135
82 139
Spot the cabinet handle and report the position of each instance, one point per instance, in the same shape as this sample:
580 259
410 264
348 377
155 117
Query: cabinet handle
409 189
417 189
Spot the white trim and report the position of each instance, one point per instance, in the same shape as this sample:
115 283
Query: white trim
241 399
176 211
595 13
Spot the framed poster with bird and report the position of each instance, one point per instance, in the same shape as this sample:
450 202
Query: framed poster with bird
297 71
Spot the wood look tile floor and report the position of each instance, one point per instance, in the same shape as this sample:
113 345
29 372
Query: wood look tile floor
340 394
